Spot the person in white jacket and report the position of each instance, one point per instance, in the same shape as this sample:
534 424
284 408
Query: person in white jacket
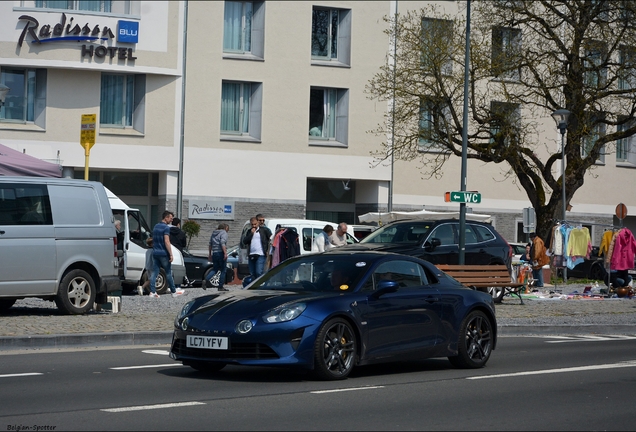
321 242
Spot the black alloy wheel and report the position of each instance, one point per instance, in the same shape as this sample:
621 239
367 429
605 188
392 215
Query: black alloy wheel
475 342
334 350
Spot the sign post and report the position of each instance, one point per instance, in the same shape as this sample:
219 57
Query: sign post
87 138
463 197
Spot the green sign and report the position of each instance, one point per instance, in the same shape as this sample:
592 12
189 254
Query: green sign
465 197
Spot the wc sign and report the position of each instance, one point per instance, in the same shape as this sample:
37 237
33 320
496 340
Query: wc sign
128 31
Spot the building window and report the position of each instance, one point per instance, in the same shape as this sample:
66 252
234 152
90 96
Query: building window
26 100
241 109
624 145
122 103
85 5
504 121
589 140
595 65
506 44
331 35
328 115
627 77
434 119
435 47
243 28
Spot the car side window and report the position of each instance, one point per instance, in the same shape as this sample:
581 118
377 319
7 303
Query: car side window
484 233
308 239
25 205
445 234
471 236
405 273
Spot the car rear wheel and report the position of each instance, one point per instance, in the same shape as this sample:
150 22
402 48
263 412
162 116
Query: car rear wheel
161 286
475 342
334 350
76 293
497 293
597 272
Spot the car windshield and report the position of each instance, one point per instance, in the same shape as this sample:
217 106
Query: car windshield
402 232
318 273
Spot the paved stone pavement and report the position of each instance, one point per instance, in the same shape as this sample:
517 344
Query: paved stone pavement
32 320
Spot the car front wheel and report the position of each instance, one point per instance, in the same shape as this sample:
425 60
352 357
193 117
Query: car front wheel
334 350
475 342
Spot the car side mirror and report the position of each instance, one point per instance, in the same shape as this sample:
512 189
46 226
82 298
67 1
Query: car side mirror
385 287
431 245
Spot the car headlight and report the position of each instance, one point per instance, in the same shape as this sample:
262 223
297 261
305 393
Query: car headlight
284 313
184 311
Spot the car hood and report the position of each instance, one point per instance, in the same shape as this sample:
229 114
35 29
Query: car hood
249 303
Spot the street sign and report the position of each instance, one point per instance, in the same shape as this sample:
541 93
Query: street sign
621 211
463 197
87 131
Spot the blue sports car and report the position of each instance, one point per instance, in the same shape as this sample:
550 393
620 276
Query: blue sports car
332 311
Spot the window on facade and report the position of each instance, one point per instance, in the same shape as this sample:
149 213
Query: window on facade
434 117
328 114
122 103
331 35
595 65
506 43
26 100
85 5
241 109
589 140
435 47
243 28
505 119
624 145
627 59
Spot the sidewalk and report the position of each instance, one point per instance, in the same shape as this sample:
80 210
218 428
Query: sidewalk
37 324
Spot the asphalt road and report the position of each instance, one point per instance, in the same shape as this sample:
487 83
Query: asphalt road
530 383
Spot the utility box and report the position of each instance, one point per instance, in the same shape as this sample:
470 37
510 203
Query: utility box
529 220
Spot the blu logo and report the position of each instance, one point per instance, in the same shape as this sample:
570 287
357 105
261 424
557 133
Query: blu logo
127 31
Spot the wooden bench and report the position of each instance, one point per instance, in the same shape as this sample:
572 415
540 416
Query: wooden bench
482 277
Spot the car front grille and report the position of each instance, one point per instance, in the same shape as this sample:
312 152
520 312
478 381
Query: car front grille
243 351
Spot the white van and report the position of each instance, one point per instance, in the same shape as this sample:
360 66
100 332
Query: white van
307 230
57 242
132 244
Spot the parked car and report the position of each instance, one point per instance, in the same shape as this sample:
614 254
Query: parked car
329 312
198 268
361 231
58 242
518 250
591 268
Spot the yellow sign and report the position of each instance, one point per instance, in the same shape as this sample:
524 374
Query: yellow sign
87 131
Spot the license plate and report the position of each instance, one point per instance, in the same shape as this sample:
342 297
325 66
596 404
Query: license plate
207 342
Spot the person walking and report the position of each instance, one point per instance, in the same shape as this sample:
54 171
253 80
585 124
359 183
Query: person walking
178 239
539 259
162 255
217 253
257 241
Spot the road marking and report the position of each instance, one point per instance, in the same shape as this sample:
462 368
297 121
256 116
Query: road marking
146 366
626 364
160 352
590 338
21 374
151 407
346 389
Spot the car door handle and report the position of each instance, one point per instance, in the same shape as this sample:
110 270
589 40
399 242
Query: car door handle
1 232
432 299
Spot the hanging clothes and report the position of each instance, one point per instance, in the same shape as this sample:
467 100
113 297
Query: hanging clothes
624 251
289 246
605 242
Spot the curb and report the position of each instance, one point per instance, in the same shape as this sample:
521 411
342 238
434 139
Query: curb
85 340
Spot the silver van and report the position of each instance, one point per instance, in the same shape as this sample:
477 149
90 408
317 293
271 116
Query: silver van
57 242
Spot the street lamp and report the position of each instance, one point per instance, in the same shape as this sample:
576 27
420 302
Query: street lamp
561 117
4 90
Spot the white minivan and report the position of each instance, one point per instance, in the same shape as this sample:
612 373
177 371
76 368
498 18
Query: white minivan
132 244
57 242
307 230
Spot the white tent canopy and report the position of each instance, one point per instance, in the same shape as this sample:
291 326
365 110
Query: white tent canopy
420 214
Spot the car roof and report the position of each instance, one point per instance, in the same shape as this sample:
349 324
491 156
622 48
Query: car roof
435 221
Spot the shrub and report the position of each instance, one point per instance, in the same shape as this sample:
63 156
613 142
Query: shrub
191 228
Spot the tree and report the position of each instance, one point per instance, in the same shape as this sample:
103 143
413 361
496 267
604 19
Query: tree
530 57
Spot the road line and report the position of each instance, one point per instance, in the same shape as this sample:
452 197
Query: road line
146 366
346 389
160 352
626 364
595 339
21 375
151 407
